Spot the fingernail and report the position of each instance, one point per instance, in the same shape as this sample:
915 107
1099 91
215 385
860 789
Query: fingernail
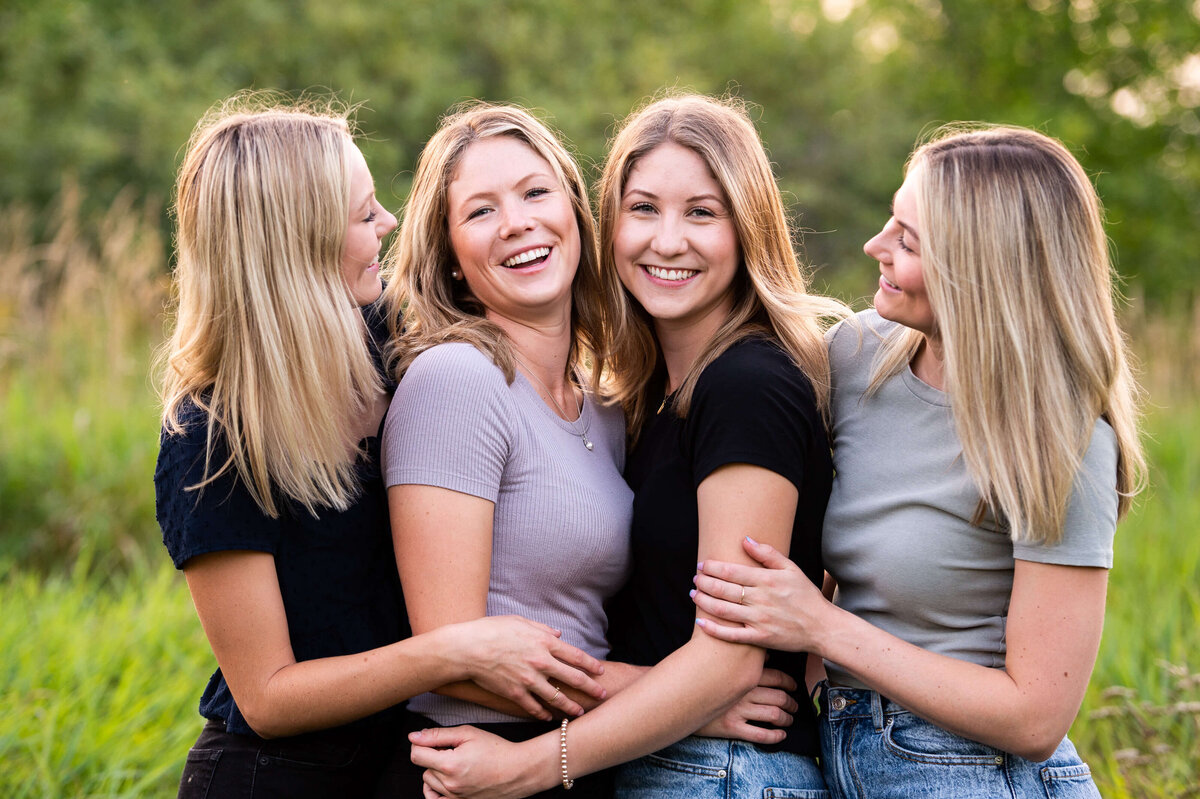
701 622
751 540
692 593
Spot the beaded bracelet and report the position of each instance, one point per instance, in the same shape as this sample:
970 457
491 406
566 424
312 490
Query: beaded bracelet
568 783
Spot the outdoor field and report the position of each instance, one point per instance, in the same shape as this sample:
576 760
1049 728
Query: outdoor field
103 659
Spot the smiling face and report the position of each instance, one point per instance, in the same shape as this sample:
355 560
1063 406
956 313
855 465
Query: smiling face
369 223
513 231
674 244
901 296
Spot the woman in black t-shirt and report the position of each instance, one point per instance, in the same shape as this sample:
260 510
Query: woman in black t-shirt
720 362
267 485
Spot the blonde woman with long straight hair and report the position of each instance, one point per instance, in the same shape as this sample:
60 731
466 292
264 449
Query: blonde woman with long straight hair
718 357
985 441
267 485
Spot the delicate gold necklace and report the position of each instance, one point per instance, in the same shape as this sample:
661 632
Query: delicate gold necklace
562 413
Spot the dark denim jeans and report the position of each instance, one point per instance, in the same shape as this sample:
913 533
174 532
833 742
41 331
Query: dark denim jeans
334 763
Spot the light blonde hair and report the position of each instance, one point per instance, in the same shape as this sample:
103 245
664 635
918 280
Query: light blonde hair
1016 265
425 306
771 297
268 341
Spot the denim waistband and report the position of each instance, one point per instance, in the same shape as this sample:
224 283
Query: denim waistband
838 703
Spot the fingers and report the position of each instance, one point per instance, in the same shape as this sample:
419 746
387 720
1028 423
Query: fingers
732 592
432 787
440 738
758 735
736 635
708 596
767 700
562 702
774 678
766 554
577 658
530 701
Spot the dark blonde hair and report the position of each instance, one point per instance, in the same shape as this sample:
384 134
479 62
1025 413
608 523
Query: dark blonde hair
1016 265
425 305
267 338
771 295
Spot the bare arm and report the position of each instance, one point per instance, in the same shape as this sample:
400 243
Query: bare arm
238 600
688 688
1055 618
443 542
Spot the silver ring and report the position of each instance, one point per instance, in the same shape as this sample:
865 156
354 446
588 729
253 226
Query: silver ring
742 599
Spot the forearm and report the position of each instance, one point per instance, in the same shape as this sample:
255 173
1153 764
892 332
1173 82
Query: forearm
686 690
984 704
328 692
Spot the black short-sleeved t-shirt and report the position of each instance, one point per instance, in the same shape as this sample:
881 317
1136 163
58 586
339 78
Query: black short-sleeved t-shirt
751 405
337 572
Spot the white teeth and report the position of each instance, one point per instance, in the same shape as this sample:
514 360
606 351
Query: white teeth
890 283
527 256
670 274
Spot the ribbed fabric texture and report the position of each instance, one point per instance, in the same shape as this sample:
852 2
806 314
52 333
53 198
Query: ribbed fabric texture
560 536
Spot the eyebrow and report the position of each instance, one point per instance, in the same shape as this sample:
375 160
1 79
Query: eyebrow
694 198
488 194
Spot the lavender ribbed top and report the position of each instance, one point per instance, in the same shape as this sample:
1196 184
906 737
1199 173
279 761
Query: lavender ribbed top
560 533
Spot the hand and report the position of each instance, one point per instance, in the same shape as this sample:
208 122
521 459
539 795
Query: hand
767 702
778 606
524 661
466 762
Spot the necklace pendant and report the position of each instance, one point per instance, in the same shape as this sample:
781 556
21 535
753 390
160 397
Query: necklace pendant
587 443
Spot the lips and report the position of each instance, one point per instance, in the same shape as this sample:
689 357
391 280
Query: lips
529 257
888 284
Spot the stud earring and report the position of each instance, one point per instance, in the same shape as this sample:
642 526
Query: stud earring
457 275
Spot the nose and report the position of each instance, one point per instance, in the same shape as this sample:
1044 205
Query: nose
669 239
876 245
385 222
513 220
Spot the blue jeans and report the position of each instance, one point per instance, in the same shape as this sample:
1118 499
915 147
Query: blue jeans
719 768
872 747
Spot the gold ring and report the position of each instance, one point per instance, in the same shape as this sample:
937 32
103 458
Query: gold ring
557 691
742 600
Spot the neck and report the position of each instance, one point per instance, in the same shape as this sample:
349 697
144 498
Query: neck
682 344
927 364
541 352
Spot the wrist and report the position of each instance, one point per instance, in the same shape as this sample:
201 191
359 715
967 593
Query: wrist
545 756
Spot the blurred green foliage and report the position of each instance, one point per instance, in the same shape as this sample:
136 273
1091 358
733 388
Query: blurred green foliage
105 92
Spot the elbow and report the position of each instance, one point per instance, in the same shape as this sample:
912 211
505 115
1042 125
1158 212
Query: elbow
266 721
261 723
1038 741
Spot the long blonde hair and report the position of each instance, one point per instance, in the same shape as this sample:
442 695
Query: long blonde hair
1016 265
267 340
771 295
425 306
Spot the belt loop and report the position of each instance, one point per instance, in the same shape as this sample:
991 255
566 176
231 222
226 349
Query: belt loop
877 710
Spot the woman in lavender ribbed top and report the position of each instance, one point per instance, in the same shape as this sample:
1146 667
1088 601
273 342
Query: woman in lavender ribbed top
560 532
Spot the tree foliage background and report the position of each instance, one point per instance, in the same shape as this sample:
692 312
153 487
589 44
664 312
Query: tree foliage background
103 93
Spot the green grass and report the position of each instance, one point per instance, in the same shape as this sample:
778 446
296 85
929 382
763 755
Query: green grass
1140 724
100 682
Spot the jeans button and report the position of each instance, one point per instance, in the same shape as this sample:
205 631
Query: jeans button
839 703
722 773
